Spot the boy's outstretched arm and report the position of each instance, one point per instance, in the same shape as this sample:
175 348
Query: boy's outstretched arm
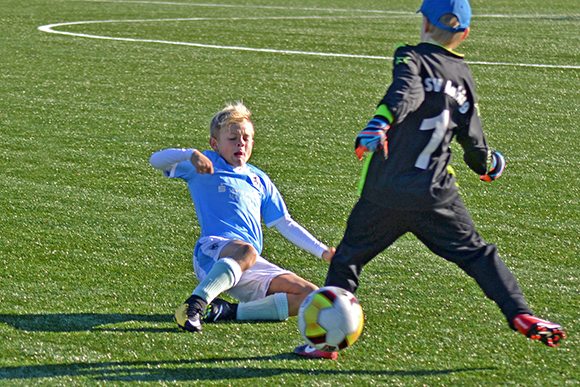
298 235
165 160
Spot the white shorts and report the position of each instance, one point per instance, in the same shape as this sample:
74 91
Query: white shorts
254 282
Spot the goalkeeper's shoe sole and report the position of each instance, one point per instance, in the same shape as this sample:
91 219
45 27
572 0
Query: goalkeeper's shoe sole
306 350
219 310
535 328
190 322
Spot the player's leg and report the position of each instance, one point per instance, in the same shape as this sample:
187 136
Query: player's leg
241 252
235 257
296 289
262 295
283 298
224 261
370 229
450 233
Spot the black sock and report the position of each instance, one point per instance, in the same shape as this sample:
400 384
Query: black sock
196 304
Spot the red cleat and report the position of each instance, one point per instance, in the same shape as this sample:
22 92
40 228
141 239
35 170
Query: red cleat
537 329
313 353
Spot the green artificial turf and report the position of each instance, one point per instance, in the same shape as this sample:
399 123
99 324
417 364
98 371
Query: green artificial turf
96 246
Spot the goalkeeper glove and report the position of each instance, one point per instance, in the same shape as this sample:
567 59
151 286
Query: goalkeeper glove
373 137
497 167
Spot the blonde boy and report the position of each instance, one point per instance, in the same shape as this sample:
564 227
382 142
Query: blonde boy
231 198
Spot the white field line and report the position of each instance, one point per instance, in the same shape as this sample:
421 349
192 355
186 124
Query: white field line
49 28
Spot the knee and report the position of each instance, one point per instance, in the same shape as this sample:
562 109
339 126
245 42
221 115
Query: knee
243 253
307 289
295 299
303 292
249 254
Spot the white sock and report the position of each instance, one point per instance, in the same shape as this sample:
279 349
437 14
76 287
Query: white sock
274 307
224 275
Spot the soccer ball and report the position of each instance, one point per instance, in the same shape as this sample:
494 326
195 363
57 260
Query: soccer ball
330 319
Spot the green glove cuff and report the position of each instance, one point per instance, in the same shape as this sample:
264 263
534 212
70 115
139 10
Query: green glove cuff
384 111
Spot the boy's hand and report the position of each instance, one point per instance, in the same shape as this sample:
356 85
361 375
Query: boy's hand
372 137
497 167
201 163
328 254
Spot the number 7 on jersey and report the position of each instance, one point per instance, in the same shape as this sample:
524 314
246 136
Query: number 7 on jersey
440 124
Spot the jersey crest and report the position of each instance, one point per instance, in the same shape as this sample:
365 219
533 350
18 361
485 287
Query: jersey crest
256 182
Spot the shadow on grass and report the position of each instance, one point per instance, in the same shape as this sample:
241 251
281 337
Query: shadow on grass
74 322
188 370
174 370
77 322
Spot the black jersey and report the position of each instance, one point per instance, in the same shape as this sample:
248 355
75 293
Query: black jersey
432 100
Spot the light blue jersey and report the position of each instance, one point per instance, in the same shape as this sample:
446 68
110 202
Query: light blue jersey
231 202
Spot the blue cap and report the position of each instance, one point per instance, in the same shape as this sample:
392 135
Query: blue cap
434 9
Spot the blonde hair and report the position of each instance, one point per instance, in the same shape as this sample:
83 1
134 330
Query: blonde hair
232 113
441 36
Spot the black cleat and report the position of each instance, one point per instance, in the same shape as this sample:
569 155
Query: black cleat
219 310
188 315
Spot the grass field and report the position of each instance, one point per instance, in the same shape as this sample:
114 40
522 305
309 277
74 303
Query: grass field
95 246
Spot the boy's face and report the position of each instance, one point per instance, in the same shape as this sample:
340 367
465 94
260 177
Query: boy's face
235 143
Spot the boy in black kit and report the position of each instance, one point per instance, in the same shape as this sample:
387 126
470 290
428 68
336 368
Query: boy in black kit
408 186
